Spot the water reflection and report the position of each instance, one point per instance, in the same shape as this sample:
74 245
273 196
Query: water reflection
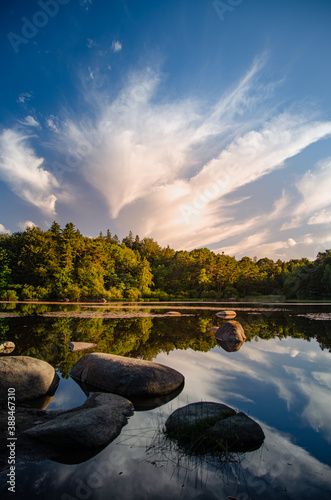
280 377
230 346
140 404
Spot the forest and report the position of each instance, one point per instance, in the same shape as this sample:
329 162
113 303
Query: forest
62 264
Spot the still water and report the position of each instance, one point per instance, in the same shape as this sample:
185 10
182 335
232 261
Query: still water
280 377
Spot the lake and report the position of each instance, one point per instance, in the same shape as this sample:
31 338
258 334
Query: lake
280 377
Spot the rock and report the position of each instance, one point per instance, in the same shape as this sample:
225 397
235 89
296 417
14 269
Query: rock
81 346
207 427
128 377
7 347
103 301
191 415
226 314
31 378
172 313
231 331
93 425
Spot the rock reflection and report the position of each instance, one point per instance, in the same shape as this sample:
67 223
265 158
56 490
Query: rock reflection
230 336
230 346
140 404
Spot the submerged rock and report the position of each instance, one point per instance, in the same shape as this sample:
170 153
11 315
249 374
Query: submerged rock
127 377
30 377
226 314
93 425
208 427
231 331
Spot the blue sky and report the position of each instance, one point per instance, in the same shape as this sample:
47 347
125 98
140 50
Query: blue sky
195 122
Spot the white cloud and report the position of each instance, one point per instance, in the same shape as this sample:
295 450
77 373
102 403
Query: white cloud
24 97
315 189
30 121
3 230
26 224
176 170
52 123
22 170
323 217
116 46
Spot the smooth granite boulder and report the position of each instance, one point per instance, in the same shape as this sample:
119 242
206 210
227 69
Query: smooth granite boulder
93 425
208 427
30 377
128 377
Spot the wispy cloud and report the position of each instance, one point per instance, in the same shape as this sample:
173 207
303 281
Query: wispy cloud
22 170
173 169
116 46
183 171
24 97
315 189
322 217
30 121
91 43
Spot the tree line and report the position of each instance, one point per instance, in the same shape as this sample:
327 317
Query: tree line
63 264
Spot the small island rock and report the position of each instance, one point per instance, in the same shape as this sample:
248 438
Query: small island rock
208 427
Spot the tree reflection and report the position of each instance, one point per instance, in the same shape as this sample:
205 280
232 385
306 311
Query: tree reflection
47 338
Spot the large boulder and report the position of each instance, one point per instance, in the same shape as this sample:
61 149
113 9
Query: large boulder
128 377
93 425
30 377
231 331
207 427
